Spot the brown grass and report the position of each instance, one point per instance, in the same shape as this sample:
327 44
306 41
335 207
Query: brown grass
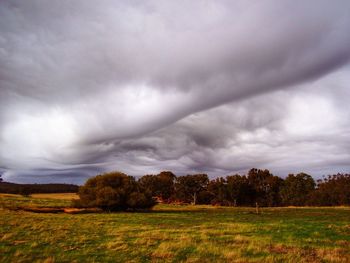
60 196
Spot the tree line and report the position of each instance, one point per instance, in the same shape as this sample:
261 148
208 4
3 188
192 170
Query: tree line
259 187
118 191
27 189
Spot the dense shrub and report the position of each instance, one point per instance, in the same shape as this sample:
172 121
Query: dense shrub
114 191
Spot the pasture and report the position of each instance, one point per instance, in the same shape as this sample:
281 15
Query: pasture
172 233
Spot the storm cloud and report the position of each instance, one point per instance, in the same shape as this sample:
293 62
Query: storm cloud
187 86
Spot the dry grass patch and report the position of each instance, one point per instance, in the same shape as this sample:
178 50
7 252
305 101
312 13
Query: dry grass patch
117 245
59 196
333 255
165 250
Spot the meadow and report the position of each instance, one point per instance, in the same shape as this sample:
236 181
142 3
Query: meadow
172 233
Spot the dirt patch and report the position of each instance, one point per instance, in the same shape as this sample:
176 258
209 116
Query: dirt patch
82 210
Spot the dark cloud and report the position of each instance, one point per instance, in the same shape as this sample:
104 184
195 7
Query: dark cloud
133 86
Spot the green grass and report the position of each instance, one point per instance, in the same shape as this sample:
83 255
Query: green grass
174 234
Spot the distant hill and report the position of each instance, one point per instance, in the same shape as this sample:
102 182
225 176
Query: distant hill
12 188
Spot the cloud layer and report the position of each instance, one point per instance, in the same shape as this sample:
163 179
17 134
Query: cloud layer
204 86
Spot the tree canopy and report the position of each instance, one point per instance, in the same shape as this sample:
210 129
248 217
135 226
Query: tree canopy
115 191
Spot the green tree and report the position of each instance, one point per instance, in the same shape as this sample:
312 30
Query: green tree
114 191
189 187
218 190
332 190
239 191
160 185
265 187
296 189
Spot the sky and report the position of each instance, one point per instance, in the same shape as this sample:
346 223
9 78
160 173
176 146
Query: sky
216 87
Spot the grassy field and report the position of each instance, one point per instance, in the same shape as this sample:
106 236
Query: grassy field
63 196
173 234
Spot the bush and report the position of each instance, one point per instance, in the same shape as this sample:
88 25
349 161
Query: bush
114 191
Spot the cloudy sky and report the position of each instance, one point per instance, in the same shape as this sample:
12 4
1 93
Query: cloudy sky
188 86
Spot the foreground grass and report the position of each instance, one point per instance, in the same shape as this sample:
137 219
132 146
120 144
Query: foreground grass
174 234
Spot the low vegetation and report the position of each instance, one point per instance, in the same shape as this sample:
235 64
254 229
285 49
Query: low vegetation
173 233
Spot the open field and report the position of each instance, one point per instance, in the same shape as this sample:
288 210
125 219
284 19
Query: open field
63 196
173 234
